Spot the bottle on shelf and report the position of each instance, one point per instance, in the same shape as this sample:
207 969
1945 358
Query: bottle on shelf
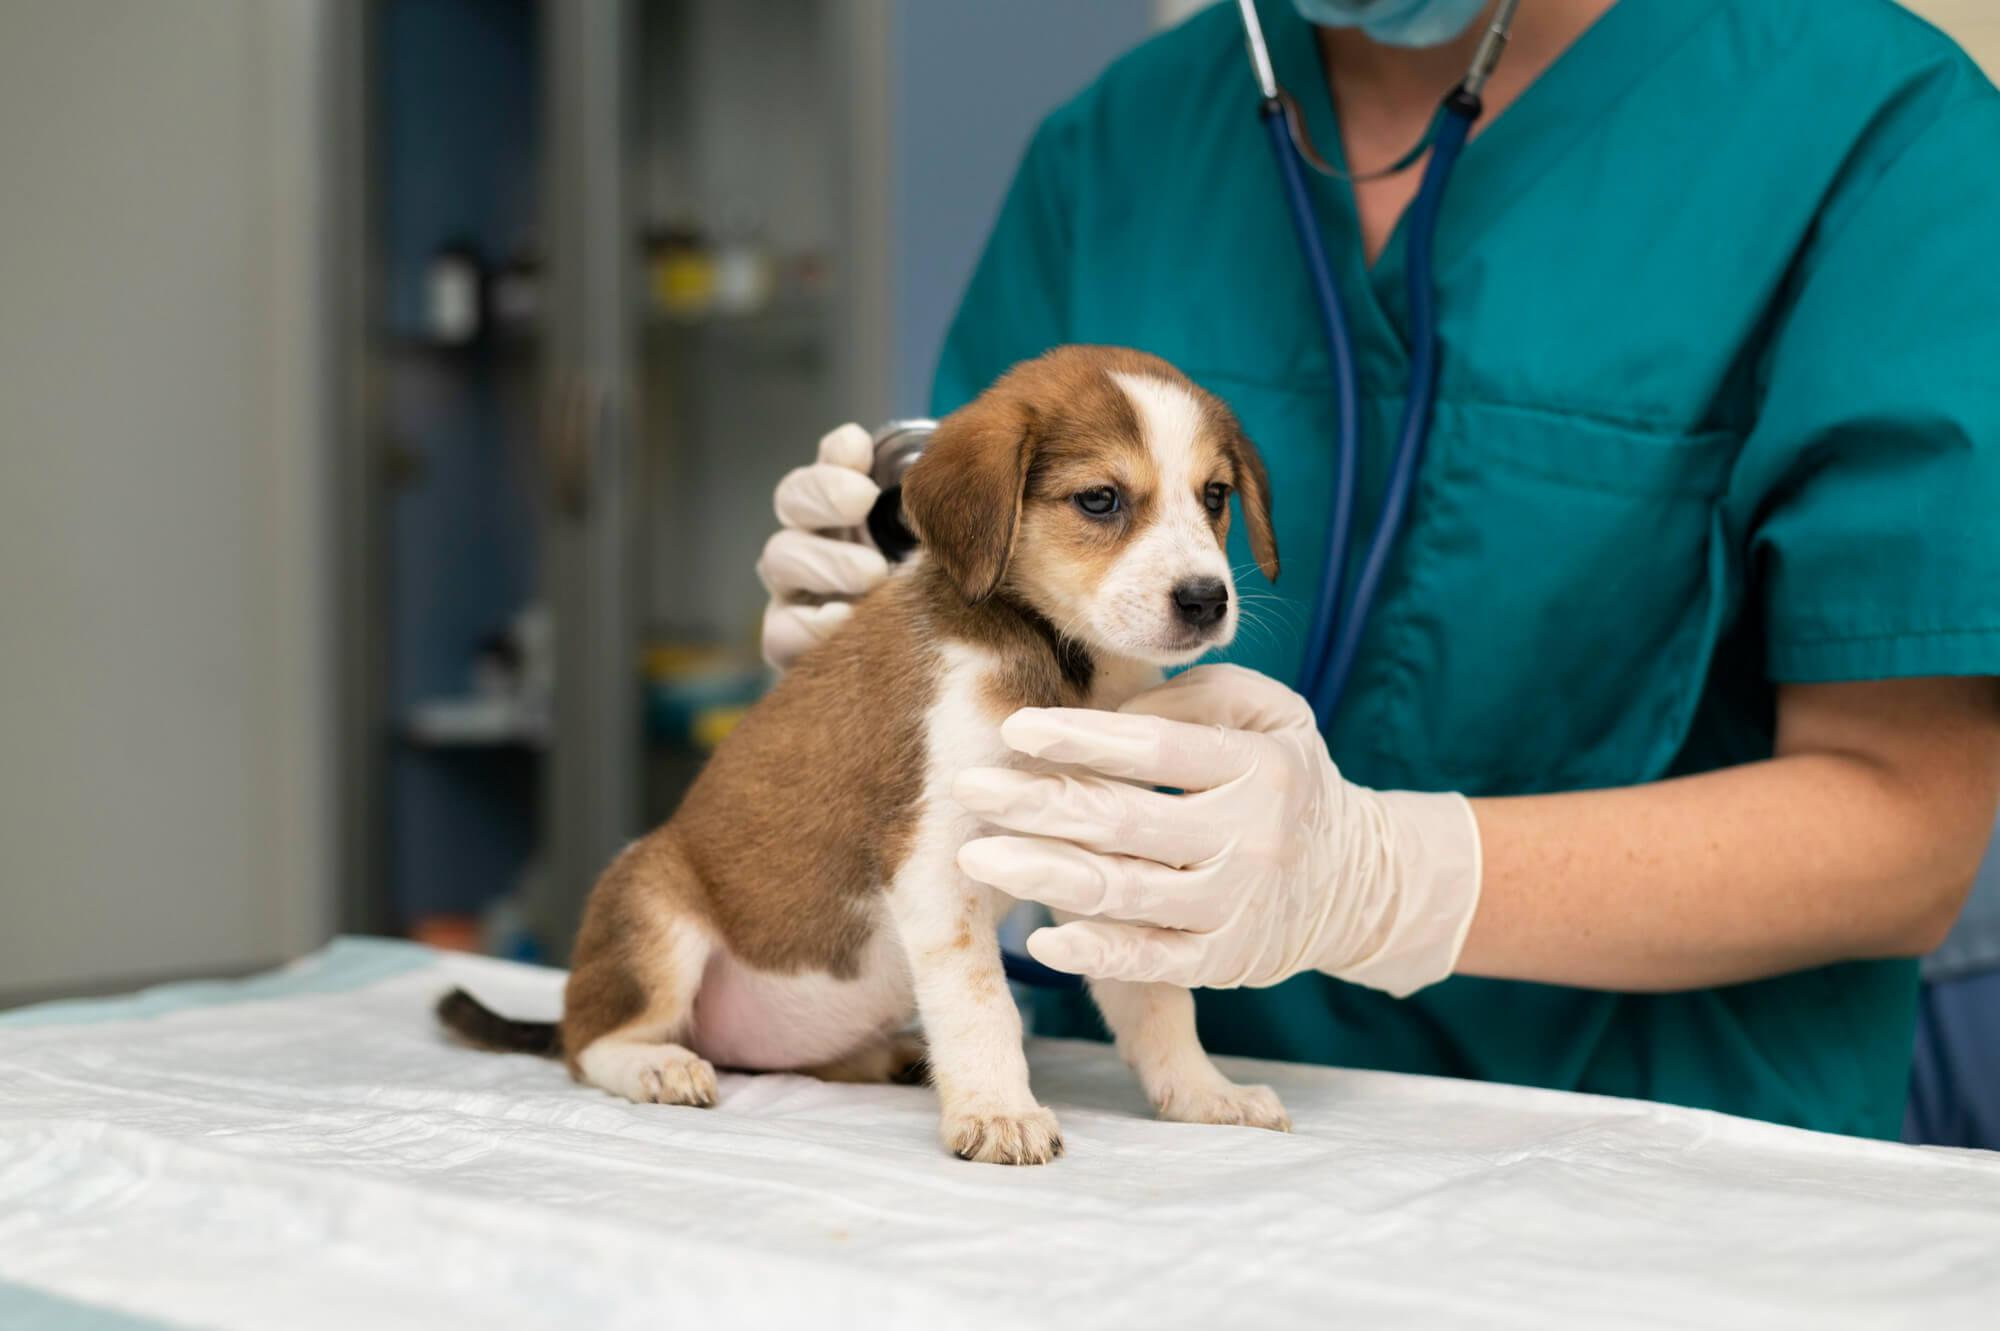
453 282
745 273
680 270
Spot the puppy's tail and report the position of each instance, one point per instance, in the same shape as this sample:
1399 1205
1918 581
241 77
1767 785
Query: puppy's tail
483 1028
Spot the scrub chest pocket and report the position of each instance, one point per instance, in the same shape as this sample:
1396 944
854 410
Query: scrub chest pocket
1548 618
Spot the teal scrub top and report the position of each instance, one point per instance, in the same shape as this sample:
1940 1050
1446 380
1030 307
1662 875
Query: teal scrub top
1719 410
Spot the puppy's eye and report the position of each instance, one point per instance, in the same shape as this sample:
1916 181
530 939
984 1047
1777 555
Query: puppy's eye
1101 502
1215 498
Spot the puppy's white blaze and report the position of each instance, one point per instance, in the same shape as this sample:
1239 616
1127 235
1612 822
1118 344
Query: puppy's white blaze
1135 605
1169 421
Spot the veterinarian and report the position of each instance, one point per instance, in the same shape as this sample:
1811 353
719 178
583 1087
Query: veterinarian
1692 630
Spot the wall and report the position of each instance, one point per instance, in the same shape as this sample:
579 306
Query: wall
163 791
1975 23
972 80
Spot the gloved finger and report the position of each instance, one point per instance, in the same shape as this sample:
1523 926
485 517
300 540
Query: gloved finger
1106 951
821 496
849 446
1139 748
1224 695
1105 816
790 629
798 561
1066 877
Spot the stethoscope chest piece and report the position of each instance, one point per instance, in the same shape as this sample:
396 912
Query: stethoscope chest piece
897 447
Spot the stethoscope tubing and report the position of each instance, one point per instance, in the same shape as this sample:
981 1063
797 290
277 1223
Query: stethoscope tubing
1333 638
1326 618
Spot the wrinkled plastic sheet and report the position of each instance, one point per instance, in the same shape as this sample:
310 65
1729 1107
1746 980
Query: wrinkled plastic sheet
304 1150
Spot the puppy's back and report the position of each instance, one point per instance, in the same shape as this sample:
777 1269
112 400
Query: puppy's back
809 806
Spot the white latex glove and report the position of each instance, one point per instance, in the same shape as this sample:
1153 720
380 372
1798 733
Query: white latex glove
813 566
1271 864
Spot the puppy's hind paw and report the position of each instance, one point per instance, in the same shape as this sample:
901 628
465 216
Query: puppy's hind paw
898 1059
681 1081
1230 1104
1003 1139
649 1074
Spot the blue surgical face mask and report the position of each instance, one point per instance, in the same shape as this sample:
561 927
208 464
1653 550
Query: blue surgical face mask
1395 22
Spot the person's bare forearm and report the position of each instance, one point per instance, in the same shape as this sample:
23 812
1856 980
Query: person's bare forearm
1858 842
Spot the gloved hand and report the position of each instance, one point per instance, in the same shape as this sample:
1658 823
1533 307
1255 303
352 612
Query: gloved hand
1271 864
815 564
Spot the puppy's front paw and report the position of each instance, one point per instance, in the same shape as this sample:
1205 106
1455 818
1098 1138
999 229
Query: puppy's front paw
1228 1103
1003 1139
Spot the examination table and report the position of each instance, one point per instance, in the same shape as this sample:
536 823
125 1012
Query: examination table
304 1150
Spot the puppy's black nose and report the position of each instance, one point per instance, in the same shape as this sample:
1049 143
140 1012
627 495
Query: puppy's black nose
1201 601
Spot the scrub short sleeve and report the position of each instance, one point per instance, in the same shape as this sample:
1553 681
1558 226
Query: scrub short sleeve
1017 304
1871 481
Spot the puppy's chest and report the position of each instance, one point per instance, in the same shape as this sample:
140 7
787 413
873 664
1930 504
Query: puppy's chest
976 694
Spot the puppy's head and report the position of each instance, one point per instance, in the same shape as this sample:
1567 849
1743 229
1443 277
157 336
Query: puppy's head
1093 484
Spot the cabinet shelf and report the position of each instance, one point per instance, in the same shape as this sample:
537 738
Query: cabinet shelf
477 723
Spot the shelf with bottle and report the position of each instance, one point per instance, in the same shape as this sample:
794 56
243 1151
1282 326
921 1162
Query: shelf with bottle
696 692
511 700
695 279
470 304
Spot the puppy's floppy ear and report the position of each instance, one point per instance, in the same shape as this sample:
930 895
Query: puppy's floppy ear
1253 492
963 496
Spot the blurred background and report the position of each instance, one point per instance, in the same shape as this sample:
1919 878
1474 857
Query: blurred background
391 393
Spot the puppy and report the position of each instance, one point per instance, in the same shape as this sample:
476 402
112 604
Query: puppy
805 900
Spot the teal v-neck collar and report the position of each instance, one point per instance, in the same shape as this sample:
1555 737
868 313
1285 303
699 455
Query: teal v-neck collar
1615 58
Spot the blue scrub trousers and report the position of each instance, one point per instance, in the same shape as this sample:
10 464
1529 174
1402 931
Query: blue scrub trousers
1955 1077
1955 1080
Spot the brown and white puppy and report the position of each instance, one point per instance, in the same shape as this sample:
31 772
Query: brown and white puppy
806 899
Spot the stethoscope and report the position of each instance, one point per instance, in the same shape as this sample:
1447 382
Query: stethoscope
1334 636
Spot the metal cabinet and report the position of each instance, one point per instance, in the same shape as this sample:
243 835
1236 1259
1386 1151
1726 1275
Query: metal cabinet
688 186
710 306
